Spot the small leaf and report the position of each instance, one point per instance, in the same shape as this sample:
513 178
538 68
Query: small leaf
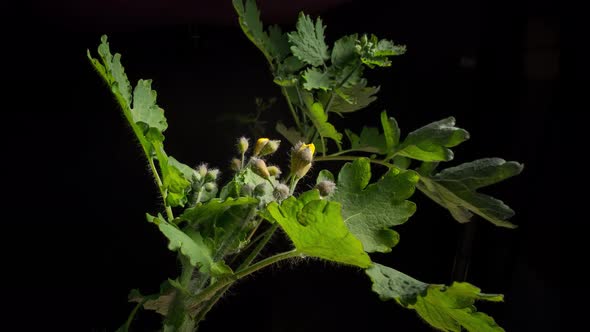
447 308
291 134
316 228
370 210
356 98
317 79
344 51
320 121
391 132
370 140
278 43
376 52
455 189
213 208
308 41
145 110
432 142
193 247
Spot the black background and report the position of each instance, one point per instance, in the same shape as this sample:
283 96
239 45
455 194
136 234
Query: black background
77 238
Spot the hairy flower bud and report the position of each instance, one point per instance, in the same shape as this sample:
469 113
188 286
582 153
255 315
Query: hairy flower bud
243 144
274 171
259 167
260 189
210 186
247 190
202 170
212 175
270 147
326 188
281 192
260 144
236 164
301 158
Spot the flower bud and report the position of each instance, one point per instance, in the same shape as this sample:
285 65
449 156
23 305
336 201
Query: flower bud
247 190
212 175
326 188
210 186
236 164
260 144
260 189
270 147
274 171
259 167
281 192
243 145
301 158
202 170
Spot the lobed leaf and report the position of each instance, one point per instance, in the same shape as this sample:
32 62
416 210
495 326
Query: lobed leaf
307 42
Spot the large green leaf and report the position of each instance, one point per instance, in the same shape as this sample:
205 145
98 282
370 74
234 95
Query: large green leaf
432 142
447 308
316 228
455 189
344 51
370 210
317 79
249 18
145 110
320 121
308 41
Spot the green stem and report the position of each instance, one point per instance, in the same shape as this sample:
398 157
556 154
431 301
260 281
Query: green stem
352 158
210 292
292 109
160 185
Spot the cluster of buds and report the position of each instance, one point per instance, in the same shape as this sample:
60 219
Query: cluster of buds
204 184
301 159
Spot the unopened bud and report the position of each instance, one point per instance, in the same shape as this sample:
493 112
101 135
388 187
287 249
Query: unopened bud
202 170
260 144
259 167
301 158
270 147
212 175
210 186
274 171
281 192
326 188
260 189
247 190
236 164
243 144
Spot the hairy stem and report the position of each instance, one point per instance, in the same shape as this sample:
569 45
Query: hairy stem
292 109
352 158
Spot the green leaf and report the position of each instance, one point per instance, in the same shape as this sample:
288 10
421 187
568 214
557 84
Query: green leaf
291 134
213 208
192 247
370 140
392 284
249 18
391 132
447 308
278 43
370 210
308 41
316 228
344 51
354 98
317 79
145 110
432 142
376 52
455 189
320 121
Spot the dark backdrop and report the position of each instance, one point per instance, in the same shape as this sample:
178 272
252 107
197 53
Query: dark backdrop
77 241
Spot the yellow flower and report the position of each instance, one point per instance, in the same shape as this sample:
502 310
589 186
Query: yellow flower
301 158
